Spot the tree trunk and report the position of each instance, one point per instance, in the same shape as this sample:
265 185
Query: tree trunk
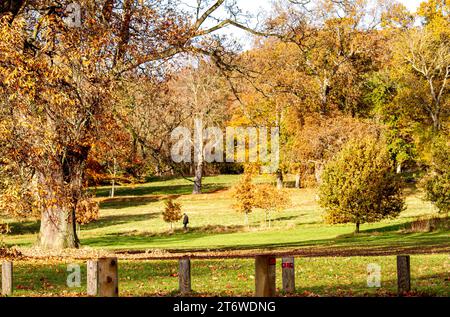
58 229
357 228
113 183
279 179
399 168
198 178
198 156
298 179
325 90
60 190
318 170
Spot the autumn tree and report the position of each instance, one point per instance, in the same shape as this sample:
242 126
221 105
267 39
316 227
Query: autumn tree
203 95
436 183
359 186
320 139
271 199
244 194
172 212
148 111
423 66
398 128
315 64
57 83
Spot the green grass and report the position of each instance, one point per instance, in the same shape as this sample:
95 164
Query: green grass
314 277
133 220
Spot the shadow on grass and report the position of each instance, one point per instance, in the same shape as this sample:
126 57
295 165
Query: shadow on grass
390 241
204 231
149 189
118 220
287 218
24 227
127 202
424 286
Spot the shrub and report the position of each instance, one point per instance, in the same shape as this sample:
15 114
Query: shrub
360 186
436 182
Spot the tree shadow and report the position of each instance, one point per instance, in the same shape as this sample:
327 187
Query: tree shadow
203 231
113 220
360 245
388 288
390 228
149 189
127 202
24 227
286 218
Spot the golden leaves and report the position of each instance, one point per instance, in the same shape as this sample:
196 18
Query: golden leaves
87 211
172 211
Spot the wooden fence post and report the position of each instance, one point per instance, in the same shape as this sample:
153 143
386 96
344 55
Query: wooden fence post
92 278
7 278
288 275
265 276
403 274
108 277
184 276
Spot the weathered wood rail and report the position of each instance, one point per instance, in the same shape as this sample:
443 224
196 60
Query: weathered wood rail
103 276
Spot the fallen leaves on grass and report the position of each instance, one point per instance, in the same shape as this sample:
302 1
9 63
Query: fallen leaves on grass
10 253
67 254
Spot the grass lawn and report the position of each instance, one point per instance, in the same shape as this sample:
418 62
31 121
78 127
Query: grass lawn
133 220
328 276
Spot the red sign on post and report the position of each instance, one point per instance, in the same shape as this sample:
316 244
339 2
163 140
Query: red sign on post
287 265
272 261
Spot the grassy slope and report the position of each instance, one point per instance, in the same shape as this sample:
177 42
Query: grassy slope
133 221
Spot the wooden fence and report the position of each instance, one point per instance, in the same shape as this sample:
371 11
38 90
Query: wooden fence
103 277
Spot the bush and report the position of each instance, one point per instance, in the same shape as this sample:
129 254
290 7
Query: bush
436 182
172 212
360 186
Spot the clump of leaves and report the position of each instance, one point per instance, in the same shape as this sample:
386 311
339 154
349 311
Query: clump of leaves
9 253
172 212
436 182
271 199
4 228
87 211
360 186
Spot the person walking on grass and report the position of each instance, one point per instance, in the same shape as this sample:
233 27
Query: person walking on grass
185 222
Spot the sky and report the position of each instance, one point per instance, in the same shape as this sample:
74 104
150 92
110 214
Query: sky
255 6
